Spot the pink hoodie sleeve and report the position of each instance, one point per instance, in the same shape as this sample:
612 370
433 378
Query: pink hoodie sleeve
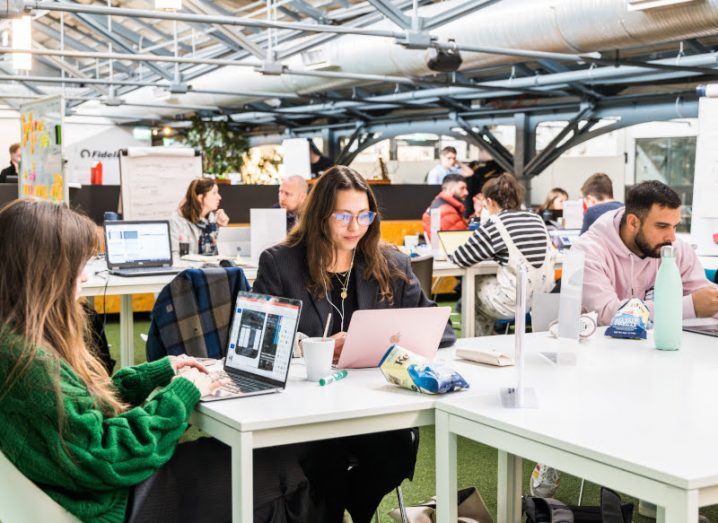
599 292
693 276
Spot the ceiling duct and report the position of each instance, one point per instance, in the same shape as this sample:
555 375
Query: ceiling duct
564 26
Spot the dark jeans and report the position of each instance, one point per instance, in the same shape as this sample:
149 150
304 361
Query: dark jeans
195 487
356 472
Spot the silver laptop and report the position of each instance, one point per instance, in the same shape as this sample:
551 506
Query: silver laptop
233 242
138 248
259 351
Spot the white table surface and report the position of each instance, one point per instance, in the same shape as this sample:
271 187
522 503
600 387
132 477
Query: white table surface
361 403
623 404
101 283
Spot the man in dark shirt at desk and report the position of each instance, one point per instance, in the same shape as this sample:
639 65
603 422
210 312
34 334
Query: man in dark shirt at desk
597 194
9 174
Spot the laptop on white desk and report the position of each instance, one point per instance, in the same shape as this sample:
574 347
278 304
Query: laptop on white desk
450 241
260 345
139 248
372 331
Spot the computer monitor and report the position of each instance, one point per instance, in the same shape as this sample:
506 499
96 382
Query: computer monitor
261 338
131 244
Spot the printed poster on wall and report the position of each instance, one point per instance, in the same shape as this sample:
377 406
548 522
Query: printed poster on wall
41 172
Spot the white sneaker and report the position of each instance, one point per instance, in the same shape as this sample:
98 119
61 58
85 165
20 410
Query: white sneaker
544 481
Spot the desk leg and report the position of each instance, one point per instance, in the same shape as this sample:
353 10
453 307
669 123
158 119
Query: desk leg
509 488
445 470
681 507
242 479
468 304
127 348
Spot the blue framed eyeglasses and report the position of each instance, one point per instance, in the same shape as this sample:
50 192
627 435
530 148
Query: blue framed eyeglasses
364 219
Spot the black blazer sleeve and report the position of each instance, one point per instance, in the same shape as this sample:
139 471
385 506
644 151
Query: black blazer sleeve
413 296
269 279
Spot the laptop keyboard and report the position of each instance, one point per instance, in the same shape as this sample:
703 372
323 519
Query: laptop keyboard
139 271
238 384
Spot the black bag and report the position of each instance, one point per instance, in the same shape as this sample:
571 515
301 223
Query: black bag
547 510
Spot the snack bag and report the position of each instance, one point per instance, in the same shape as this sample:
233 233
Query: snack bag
631 321
405 369
395 366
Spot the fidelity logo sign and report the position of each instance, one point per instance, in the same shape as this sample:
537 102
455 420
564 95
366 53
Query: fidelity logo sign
87 153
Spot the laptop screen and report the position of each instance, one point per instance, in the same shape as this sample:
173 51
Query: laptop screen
138 243
452 240
262 335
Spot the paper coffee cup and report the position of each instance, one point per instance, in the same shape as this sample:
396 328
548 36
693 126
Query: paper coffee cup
318 355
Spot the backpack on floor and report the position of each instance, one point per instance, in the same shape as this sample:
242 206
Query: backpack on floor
548 510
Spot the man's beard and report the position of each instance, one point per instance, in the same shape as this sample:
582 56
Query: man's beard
646 248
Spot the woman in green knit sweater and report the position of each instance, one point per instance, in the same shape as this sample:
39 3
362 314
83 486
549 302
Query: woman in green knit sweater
106 449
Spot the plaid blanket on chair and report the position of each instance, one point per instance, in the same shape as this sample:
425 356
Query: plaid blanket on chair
192 314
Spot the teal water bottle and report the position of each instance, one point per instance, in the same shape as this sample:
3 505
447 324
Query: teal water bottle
668 302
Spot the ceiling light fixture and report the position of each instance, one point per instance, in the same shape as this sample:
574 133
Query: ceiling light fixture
21 39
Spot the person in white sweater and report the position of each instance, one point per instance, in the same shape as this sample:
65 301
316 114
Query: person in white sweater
198 218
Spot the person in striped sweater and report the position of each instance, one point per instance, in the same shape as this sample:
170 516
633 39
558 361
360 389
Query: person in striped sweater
512 237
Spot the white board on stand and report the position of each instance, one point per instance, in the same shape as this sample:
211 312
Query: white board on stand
268 227
704 223
296 158
153 180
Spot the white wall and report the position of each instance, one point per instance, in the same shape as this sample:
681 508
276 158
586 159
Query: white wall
89 144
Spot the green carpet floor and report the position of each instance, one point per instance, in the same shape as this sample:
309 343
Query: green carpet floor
477 463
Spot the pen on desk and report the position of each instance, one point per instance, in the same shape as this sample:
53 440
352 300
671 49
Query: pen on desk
334 377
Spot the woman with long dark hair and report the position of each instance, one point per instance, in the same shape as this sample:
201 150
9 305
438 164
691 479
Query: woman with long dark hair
335 262
106 448
198 218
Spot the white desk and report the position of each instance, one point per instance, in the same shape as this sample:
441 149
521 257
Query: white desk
468 288
361 403
103 284
626 416
100 283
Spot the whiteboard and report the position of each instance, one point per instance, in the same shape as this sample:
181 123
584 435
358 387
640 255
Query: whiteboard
154 180
41 171
705 183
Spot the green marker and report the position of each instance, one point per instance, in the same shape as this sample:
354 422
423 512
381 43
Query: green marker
334 377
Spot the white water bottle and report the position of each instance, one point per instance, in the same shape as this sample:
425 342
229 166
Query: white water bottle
668 302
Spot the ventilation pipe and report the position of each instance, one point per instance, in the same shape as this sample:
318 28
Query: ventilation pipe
566 26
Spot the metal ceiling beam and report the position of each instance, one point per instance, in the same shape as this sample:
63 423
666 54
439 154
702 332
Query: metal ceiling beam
72 42
203 19
311 11
102 81
69 69
571 127
23 81
200 7
391 12
96 26
486 140
554 67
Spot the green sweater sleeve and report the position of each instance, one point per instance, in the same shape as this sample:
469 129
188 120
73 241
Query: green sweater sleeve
101 453
134 384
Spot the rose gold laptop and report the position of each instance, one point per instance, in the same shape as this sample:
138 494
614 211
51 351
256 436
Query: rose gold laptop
372 331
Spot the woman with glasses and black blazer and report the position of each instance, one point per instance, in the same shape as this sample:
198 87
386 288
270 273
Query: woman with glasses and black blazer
336 264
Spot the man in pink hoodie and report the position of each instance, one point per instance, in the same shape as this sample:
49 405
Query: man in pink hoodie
623 249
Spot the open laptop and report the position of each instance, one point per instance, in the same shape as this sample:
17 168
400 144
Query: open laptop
452 240
705 326
139 248
372 331
233 242
261 340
